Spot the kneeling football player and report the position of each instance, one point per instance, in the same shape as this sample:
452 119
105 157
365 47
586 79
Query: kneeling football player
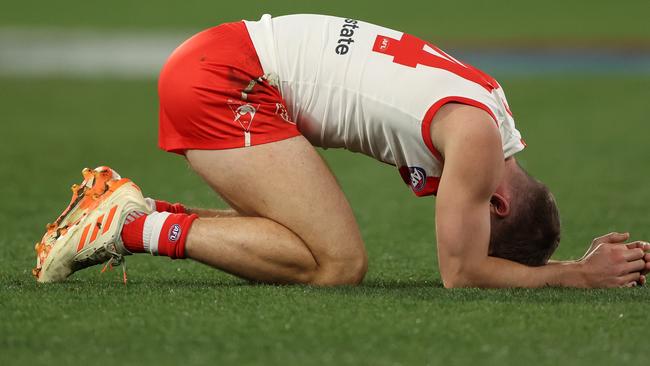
246 102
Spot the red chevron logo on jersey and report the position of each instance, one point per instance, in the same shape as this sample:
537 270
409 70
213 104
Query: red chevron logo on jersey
244 113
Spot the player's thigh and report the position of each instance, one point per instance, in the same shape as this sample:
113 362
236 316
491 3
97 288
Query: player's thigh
288 182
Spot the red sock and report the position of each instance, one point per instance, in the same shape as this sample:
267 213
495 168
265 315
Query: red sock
172 237
164 206
160 233
132 232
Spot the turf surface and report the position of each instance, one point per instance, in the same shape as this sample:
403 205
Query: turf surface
587 139
175 312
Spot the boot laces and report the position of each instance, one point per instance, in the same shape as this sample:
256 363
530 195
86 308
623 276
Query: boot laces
115 260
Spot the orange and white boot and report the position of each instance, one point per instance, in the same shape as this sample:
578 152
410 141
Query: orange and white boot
88 231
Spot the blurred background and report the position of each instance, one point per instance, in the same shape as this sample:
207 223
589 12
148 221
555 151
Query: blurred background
132 38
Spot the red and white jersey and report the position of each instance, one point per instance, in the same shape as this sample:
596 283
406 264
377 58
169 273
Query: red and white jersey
373 90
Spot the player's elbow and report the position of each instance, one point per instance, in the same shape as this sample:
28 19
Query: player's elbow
456 282
459 276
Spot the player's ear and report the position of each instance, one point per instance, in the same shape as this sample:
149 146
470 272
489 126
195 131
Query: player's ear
499 205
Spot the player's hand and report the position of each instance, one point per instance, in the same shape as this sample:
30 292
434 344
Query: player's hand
645 246
615 265
611 238
647 261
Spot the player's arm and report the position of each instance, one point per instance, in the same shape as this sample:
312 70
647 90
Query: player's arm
473 169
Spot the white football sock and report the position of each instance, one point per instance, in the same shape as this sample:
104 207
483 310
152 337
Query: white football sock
151 231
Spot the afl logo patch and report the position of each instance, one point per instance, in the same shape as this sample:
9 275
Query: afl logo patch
174 233
418 178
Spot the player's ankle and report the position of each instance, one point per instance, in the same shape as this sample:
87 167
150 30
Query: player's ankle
132 232
172 236
159 233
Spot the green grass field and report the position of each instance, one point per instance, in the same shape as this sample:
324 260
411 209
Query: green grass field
467 20
587 139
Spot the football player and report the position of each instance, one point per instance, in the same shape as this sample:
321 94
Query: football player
245 103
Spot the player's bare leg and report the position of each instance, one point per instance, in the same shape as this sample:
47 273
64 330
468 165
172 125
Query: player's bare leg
296 225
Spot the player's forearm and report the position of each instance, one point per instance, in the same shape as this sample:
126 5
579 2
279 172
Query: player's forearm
495 272
553 262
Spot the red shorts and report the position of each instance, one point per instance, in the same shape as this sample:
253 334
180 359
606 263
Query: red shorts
214 95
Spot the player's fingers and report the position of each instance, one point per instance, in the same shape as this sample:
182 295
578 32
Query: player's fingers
633 254
629 278
638 244
642 280
635 266
613 238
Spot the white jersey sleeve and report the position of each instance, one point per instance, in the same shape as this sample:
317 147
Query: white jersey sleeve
369 89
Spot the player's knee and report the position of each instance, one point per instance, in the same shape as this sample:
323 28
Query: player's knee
349 270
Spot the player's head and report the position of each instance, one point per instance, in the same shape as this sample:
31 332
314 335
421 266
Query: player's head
525 223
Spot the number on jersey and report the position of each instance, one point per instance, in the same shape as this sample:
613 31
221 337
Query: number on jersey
411 51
